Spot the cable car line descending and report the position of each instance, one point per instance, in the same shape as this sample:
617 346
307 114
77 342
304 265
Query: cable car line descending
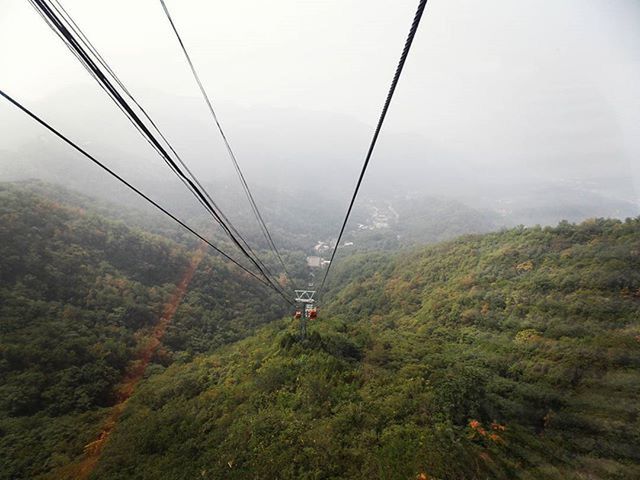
232 156
103 81
383 114
110 90
85 40
138 192
57 23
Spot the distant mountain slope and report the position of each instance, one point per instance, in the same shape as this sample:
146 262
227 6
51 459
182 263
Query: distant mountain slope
80 298
411 220
507 355
548 204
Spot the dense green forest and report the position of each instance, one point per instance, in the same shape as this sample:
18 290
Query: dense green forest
79 296
513 354
509 355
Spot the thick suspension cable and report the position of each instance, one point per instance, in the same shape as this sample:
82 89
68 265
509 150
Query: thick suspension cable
85 40
135 190
232 156
385 108
102 80
57 23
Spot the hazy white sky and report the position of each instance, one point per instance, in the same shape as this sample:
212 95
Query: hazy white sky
533 84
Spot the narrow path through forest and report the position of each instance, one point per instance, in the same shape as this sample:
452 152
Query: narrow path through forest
133 375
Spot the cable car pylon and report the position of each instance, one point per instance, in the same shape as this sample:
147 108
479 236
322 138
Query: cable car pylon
305 309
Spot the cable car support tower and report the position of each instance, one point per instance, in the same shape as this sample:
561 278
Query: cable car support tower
305 309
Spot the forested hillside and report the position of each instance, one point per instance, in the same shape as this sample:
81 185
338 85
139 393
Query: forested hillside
507 355
80 298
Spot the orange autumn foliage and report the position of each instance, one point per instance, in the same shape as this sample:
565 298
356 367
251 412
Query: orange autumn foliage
495 426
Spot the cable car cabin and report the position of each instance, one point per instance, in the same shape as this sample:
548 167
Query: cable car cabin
297 315
313 314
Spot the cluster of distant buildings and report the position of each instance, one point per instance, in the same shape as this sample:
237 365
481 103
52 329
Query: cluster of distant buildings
317 261
380 218
322 247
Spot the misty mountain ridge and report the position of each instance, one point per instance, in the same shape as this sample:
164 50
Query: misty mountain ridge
305 161
389 223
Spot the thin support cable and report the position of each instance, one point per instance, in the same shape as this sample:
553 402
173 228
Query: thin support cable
56 23
232 156
392 89
134 189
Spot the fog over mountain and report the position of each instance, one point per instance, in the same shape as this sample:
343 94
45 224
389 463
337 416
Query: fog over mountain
532 114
